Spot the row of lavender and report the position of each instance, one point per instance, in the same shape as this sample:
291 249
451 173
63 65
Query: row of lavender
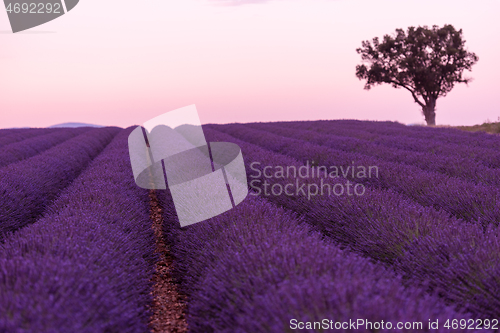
462 146
86 265
28 187
29 147
459 259
454 166
11 136
444 135
258 268
463 199
257 261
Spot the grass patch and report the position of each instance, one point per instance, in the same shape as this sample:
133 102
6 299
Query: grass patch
488 127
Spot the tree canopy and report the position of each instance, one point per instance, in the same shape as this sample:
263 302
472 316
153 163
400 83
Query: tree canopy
426 62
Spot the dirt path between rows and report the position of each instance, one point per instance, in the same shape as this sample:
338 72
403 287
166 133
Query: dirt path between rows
168 307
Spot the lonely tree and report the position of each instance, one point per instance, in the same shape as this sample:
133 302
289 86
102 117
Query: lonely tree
426 62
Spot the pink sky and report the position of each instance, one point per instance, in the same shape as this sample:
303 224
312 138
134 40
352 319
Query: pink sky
122 62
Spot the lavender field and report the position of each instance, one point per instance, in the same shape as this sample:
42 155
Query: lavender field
391 227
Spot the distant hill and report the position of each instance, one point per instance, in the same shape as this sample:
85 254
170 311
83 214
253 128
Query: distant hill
72 125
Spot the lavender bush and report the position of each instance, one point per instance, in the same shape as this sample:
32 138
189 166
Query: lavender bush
86 265
13 136
22 150
28 187
441 134
466 200
384 225
490 157
454 166
420 243
256 267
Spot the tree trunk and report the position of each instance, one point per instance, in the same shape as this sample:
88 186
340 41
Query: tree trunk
429 111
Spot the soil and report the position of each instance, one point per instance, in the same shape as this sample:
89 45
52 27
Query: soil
169 307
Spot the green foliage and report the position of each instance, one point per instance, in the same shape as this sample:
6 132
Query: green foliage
426 62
